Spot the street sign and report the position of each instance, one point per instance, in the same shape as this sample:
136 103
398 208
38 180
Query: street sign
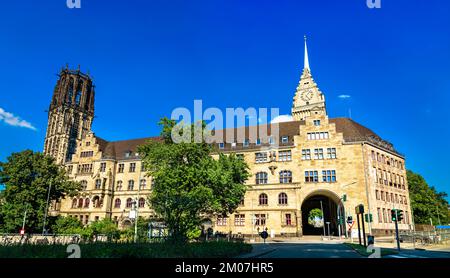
264 234
350 220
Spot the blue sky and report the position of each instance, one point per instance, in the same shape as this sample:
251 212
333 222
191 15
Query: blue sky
151 56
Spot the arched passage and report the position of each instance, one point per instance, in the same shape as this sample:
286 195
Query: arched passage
330 203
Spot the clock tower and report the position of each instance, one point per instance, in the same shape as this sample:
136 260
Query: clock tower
308 99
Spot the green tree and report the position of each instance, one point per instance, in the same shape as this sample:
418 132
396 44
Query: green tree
314 216
27 176
105 227
189 182
426 202
67 225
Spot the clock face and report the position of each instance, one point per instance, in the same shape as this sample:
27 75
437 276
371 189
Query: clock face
307 95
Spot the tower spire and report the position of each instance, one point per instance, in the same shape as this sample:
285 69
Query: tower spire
306 62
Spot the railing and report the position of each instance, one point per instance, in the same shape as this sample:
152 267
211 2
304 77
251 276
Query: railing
425 237
16 239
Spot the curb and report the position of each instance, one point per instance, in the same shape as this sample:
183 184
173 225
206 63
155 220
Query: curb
257 255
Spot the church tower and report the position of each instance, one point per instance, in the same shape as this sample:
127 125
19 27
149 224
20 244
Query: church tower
308 99
70 114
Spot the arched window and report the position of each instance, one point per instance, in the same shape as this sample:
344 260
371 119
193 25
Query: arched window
261 178
285 176
117 203
96 202
141 202
86 202
263 199
119 186
129 202
98 184
282 199
78 93
70 92
142 184
130 184
74 203
84 184
80 203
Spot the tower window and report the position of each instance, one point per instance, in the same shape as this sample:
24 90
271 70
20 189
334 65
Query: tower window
317 122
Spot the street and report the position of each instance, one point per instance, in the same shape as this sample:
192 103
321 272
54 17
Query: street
330 250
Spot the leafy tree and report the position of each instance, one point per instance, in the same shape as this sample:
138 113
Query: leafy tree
426 202
314 216
105 227
27 176
189 182
67 225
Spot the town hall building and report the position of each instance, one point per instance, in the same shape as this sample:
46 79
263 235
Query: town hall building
314 162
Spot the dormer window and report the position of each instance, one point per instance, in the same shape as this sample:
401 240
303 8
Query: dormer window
284 139
128 154
246 142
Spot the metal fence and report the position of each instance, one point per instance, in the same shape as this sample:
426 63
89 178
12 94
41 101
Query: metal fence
14 239
438 236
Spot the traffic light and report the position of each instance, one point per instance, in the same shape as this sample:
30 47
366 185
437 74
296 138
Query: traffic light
400 215
394 215
368 217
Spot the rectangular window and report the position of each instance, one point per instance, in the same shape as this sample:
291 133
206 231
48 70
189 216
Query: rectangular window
311 176
306 154
318 153
387 197
87 154
373 155
331 153
98 184
288 219
396 198
284 156
258 142
86 168
377 194
69 169
261 157
103 167
132 167
380 220
221 221
285 139
121 168
317 122
317 135
260 219
329 176
239 220
384 216
382 195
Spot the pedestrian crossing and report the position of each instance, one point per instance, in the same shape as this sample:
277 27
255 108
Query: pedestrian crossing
403 256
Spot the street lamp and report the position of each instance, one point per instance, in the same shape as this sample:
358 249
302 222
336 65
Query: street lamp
46 207
344 199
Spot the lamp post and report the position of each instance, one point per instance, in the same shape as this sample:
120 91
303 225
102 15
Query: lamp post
46 207
137 207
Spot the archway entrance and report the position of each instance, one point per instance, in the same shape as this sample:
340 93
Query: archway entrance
314 221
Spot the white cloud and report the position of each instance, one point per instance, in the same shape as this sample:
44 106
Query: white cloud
282 119
344 96
12 120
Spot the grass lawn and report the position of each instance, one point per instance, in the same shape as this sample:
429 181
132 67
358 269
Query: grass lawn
363 250
221 249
